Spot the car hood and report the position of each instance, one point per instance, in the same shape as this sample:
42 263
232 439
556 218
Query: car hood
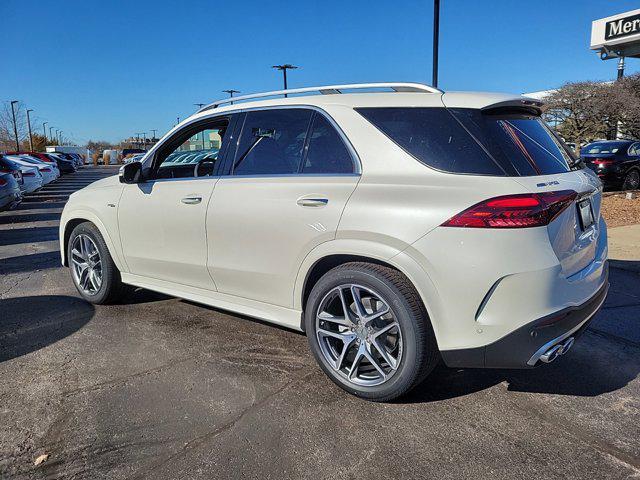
104 182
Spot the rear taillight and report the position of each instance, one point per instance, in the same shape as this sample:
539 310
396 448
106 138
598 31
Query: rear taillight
46 169
3 182
29 174
514 211
602 161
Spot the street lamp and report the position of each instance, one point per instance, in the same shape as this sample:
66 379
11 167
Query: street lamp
284 68
29 126
60 138
231 91
15 125
50 134
154 134
44 131
436 35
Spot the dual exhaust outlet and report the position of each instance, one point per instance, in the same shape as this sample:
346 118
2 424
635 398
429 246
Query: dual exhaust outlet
557 350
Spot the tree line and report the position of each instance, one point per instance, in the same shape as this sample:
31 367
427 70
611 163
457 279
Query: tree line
582 112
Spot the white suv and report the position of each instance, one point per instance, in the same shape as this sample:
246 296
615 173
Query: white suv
396 228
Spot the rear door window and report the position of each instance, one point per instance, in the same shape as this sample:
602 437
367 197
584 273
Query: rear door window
327 153
272 142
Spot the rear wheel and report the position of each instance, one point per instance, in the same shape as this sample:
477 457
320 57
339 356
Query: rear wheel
94 274
369 331
632 180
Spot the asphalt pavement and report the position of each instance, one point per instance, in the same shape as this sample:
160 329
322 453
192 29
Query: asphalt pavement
159 387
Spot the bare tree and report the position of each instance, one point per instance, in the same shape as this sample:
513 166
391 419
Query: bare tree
7 135
581 111
627 100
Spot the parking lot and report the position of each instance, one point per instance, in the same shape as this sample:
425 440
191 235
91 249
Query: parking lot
163 388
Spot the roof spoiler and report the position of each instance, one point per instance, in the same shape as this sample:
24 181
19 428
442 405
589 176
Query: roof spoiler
530 105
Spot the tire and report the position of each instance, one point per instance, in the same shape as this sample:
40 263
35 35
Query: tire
111 288
631 180
412 339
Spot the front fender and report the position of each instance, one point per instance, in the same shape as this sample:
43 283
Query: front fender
91 216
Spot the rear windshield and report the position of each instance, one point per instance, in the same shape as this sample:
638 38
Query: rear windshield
605 147
468 141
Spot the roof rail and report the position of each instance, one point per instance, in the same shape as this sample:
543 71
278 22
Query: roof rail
328 90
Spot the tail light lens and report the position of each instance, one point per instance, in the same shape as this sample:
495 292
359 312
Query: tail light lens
3 182
602 161
29 174
514 211
46 169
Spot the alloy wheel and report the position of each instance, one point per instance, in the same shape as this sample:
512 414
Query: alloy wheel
86 264
359 335
632 182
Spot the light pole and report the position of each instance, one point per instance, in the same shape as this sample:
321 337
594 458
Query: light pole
29 126
50 134
436 35
144 140
284 68
15 125
154 134
231 91
44 131
60 138
138 138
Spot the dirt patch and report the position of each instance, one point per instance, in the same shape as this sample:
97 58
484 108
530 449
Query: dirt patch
619 210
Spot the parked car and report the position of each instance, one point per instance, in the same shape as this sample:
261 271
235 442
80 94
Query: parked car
10 195
36 161
11 168
65 166
134 158
31 178
616 162
394 228
46 170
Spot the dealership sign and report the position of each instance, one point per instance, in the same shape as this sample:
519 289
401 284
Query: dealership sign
617 36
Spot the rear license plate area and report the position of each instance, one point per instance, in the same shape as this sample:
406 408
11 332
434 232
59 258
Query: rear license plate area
585 213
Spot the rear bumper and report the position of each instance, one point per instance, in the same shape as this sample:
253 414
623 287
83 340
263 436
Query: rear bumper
523 347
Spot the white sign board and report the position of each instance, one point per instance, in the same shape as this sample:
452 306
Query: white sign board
618 35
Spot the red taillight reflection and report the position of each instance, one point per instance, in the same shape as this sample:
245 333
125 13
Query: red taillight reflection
601 161
3 182
28 174
514 211
46 169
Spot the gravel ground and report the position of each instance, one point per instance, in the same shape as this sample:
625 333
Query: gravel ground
619 211
158 388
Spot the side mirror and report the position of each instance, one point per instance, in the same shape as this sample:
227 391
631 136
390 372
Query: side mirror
131 173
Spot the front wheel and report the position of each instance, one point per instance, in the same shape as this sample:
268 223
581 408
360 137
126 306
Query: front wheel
94 274
369 331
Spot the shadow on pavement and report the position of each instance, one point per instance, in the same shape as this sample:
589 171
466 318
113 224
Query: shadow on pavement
27 263
28 235
39 205
28 217
32 323
139 295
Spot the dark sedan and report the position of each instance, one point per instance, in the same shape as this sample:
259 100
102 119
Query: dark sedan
616 162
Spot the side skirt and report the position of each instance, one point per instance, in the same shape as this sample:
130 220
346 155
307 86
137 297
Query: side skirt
285 317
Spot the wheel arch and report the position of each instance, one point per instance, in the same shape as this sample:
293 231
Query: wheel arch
76 218
331 254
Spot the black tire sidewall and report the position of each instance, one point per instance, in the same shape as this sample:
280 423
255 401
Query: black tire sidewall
110 275
406 374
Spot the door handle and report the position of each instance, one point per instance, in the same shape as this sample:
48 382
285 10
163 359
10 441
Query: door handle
191 200
312 202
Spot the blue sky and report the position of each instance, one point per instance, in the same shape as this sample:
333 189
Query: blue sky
108 69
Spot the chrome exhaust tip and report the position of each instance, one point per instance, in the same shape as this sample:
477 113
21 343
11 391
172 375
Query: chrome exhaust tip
557 350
